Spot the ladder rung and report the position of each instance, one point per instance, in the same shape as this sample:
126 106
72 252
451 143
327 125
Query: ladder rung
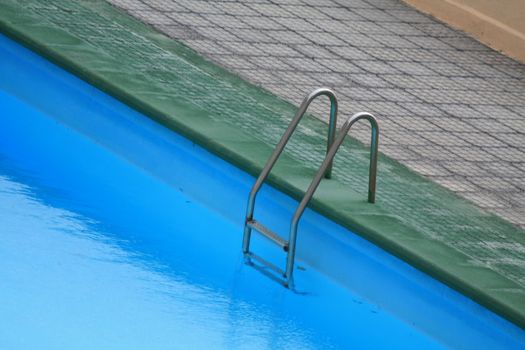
268 234
266 263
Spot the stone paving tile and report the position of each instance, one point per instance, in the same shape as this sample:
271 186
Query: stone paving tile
451 108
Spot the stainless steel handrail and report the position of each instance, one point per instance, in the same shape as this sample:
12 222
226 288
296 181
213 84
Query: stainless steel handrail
279 148
318 177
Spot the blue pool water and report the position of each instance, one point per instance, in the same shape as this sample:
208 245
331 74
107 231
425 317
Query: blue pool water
117 233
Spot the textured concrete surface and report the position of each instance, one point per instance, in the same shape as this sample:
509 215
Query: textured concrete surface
450 108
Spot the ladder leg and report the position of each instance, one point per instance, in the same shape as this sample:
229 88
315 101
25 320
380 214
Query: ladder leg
290 258
246 242
288 275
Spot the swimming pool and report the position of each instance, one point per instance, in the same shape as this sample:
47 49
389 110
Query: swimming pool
118 233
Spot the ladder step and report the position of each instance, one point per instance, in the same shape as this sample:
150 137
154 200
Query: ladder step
266 263
268 234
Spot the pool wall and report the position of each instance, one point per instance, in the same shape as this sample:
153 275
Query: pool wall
365 269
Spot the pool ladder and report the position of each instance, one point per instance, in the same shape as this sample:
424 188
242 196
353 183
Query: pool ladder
286 276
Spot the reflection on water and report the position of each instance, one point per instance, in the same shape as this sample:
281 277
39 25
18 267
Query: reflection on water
67 282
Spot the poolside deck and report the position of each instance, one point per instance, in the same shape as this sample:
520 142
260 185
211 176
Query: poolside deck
451 108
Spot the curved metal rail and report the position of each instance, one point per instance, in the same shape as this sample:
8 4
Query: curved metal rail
318 177
278 150
325 170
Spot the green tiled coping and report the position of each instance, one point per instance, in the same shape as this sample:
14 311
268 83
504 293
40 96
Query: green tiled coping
414 219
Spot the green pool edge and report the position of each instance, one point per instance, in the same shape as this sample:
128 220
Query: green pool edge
333 200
